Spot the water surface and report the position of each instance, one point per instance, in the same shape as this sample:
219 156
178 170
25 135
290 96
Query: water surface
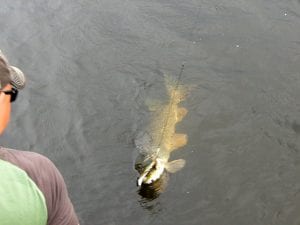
92 64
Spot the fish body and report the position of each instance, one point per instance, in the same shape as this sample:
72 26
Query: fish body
160 139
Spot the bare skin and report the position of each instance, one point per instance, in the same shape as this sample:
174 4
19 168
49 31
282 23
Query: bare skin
5 108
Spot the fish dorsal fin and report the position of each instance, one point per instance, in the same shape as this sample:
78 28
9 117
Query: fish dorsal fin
181 112
175 165
178 141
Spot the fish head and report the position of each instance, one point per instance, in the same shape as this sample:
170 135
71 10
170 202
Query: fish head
144 160
151 172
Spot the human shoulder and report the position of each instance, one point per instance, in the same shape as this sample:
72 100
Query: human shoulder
27 160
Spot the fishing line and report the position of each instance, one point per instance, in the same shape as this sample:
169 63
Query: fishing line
179 77
171 103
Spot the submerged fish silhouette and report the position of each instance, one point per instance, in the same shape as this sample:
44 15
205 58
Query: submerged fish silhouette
160 138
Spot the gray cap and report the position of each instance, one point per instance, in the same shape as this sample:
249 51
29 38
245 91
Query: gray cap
10 74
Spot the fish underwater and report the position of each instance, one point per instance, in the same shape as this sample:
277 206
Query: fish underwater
156 143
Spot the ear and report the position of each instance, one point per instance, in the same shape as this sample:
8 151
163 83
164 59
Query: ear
175 165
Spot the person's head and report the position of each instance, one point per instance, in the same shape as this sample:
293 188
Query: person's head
11 79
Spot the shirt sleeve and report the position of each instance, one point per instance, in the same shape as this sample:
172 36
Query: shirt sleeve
50 181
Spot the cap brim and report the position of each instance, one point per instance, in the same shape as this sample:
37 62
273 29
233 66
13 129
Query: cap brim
18 79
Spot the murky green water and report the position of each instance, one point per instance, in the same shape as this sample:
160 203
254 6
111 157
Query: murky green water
91 65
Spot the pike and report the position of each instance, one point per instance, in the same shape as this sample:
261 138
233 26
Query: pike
160 139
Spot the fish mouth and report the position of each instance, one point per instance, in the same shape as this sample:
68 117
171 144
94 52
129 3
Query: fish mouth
151 173
145 173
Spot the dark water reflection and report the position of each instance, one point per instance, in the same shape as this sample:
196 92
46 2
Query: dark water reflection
92 64
152 191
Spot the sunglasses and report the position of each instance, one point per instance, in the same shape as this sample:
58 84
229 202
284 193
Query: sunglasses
13 94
